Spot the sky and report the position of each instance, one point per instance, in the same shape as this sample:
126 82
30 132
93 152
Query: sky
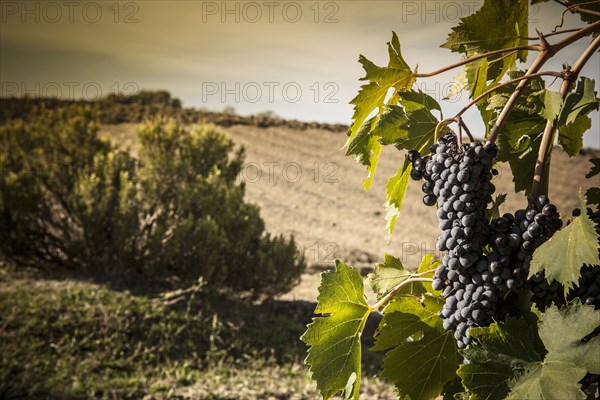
297 59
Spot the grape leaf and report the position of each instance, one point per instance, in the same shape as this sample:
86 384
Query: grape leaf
454 390
570 136
592 196
580 102
476 74
428 263
523 107
388 275
497 24
421 367
590 5
358 145
519 144
387 127
366 149
548 103
514 361
562 331
370 98
550 380
568 358
573 121
595 170
334 339
374 151
415 128
391 273
459 83
503 347
395 192
587 17
562 256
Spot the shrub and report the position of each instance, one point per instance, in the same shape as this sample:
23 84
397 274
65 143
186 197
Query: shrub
69 199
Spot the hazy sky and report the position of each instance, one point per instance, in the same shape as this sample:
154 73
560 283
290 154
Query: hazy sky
298 59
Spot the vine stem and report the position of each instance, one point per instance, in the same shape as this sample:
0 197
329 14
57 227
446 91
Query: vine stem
477 57
457 118
548 135
424 272
504 84
547 52
553 33
395 290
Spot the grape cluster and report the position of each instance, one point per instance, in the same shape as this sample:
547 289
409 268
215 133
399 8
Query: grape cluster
513 239
478 297
458 179
588 288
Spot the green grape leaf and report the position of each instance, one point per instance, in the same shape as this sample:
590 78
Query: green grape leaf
595 170
387 128
523 107
519 144
394 328
391 273
459 83
562 331
371 97
570 136
580 102
497 24
358 145
590 5
388 275
568 358
587 17
417 133
454 390
547 102
562 256
366 149
411 125
421 366
428 264
477 74
504 346
516 361
334 338
550 380
395 192
592 196
375 150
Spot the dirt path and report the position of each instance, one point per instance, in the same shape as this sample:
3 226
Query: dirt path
305 186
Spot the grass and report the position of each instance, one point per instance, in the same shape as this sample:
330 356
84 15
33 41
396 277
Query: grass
74 340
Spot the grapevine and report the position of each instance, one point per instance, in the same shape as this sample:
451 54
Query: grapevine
514 296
